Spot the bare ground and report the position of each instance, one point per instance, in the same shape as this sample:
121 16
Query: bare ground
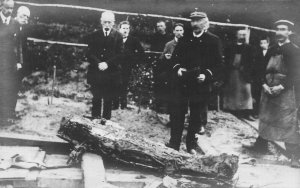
225 133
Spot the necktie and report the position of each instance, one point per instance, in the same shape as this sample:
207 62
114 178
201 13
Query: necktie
106 33
6 21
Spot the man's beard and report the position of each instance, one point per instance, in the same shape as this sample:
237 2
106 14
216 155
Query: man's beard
242 40
7 14
280 37
198 29
161 31
179 36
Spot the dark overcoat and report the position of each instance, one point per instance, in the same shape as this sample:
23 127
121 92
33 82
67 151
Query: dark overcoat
201 55
103 49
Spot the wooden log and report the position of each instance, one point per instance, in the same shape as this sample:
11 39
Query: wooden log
111 142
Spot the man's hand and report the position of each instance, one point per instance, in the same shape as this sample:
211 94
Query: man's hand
201 78
180 70
267 89
276 90
19 66
102 66
168 56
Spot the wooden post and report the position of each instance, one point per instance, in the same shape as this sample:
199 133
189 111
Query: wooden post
93 170
218 102
53 83
248 35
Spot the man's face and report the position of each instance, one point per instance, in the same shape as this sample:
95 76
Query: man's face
241 36
107 24
264 44
282 32
161 27
178 31
124 30
8 7
199 24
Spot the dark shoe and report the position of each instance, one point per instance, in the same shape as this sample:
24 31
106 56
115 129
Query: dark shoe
123 106
168 124
201 131
259 146
192 152
295 162
169 145
193 147
250 118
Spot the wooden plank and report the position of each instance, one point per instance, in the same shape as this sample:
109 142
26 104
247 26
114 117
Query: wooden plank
13 174
26 153
268 176
93 170
51 145
61 178
130 179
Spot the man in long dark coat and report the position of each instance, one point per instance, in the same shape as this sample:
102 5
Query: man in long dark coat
160 89
104 48
8 66
278 107
197 58
132 54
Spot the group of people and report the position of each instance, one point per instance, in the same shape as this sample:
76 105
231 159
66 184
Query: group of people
262 83
12 44
191 64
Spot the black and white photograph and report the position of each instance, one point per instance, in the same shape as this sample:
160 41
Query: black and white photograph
149 94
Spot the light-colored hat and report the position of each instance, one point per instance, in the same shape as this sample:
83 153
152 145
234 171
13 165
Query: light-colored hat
285 22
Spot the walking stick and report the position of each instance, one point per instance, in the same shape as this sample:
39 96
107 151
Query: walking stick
53 83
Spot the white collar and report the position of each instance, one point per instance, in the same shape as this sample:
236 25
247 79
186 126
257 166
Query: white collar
199 35
265 52
108 32
4 17
176 39
125 39
285 42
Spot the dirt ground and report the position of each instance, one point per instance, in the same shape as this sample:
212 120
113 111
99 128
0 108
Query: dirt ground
225 132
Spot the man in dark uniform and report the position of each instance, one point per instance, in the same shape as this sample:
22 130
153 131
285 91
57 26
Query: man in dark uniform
197 58
8 67
259 67
104 49
132 53
278 106
158 42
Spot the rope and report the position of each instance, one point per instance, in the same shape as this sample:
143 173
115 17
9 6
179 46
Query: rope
71 44
140 14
